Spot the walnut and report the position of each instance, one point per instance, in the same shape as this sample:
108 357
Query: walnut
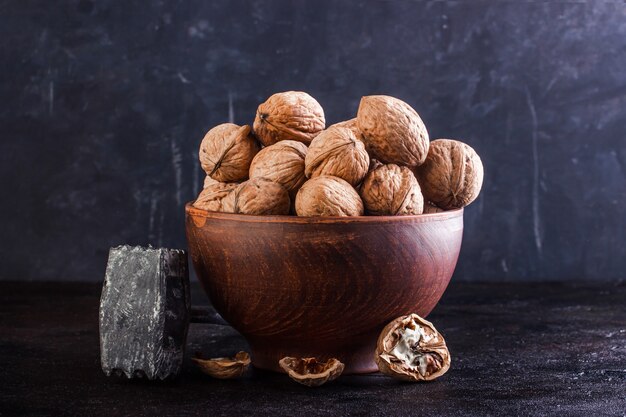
351 124
311 372
391 190
292 115
225 368
213 194
430 208
411 349
393 131
259 196
337 152
226 152
452 175
283 163
328 196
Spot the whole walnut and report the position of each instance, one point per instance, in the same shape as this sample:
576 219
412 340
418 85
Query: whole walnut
213 194
430 208
393 131
337 152
350 124
452 175
259 196
292 115
226 152
283 163
328 196
392 190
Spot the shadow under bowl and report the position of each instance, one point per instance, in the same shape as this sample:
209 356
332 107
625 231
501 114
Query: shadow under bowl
322 287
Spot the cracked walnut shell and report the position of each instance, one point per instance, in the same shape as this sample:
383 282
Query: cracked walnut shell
391 190
226 152
292 115
328 196
258 196
393 131
282 163
452 175
225 368
337 152
411 349
310 371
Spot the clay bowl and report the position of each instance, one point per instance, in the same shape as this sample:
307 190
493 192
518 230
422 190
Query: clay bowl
323 287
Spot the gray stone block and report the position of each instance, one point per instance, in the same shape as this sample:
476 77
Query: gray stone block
144 312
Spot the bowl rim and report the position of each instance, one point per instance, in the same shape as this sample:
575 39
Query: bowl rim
190 210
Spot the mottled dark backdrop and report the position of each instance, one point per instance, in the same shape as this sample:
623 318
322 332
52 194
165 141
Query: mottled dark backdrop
104 105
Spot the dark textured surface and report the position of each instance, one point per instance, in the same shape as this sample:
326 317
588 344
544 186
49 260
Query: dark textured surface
144 312
105 104
516 350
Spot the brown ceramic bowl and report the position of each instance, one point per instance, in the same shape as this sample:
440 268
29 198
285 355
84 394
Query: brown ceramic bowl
323 287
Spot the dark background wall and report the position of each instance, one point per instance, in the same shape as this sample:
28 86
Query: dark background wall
104 105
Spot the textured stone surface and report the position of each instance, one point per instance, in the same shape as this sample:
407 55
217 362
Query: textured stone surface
516 350
144 312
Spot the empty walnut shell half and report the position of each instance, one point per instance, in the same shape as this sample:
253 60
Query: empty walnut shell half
411 349
283 163
226 152
393 131
212 195
259 196
292 115
225 368
452 175
337 152
390 190
328 196
311 372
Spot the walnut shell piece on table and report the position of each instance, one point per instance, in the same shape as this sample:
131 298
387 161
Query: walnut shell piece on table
291 115
258 196
452 175
393 131
225 368
328 196
212 195
282 163
226 152
310 371
411 349
390 190
337 152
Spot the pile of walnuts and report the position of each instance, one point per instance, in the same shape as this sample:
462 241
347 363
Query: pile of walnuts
379 163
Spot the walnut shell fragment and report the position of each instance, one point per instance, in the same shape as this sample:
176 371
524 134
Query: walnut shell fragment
452 175
411 349
311 372
292 115
282 163
337 152
393 131
227 151
259 196
225 368
390 190
212 195
328 196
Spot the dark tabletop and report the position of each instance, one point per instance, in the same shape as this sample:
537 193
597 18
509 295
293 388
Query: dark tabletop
516 350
